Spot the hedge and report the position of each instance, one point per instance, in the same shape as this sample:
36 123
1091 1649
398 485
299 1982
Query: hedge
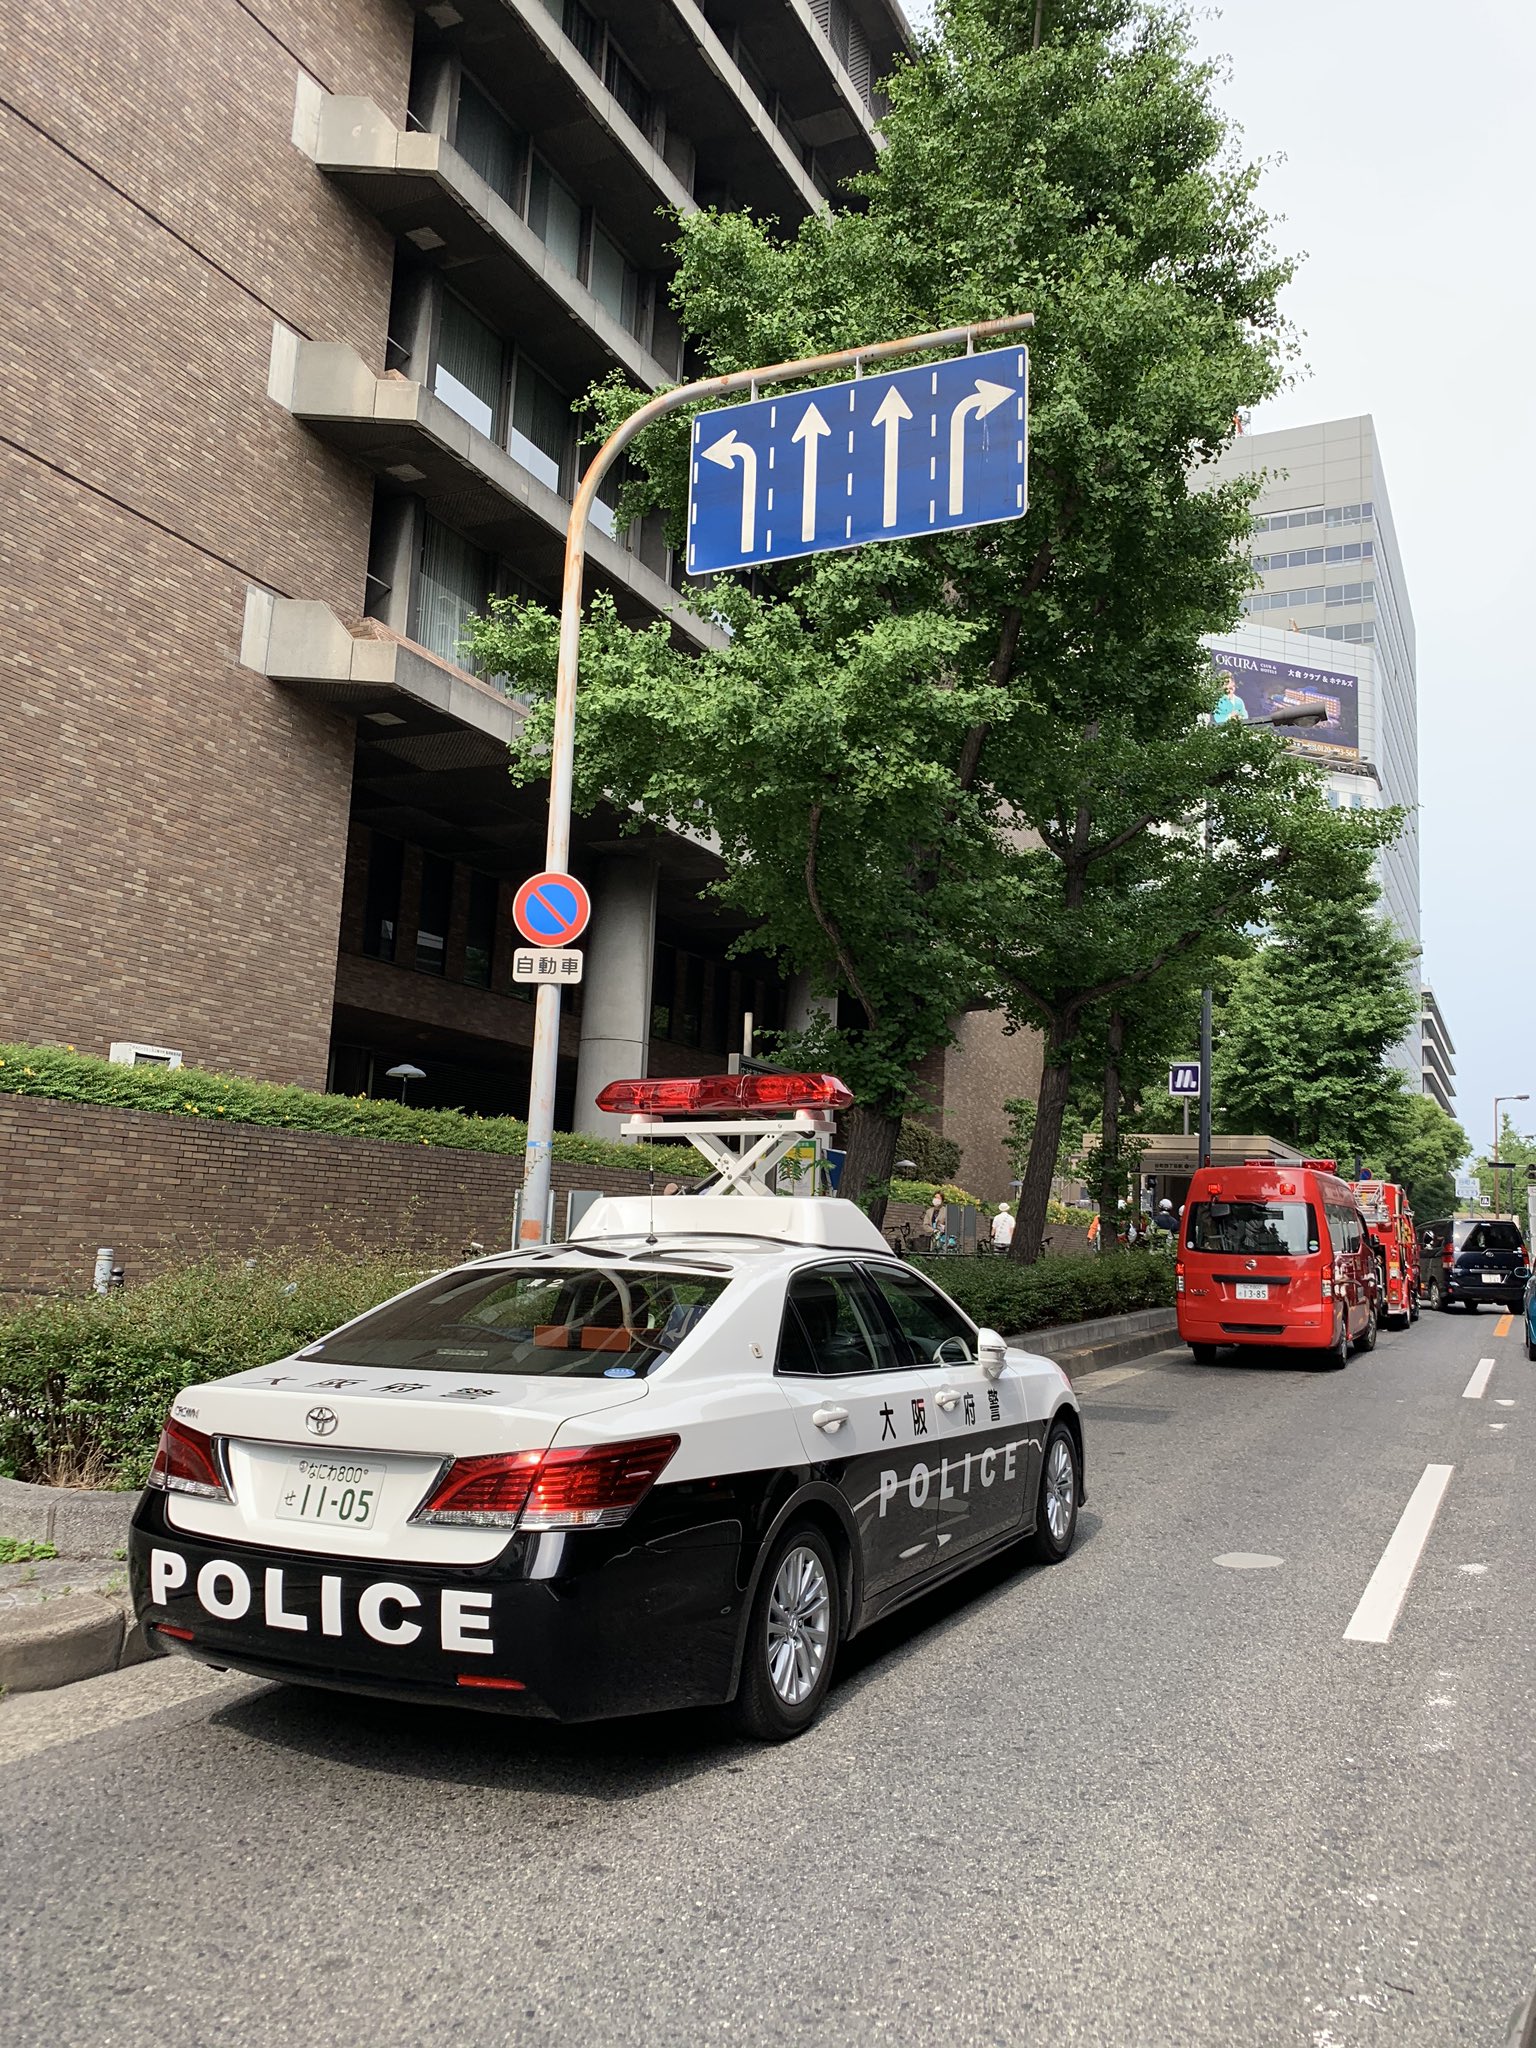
1003 1296
85 1382
60 1074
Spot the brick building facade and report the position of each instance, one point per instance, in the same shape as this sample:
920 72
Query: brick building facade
308 294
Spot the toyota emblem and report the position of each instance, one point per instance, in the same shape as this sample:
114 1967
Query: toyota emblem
321 1421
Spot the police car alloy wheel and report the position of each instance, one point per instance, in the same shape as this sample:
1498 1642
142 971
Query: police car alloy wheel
791 1638
1056 1515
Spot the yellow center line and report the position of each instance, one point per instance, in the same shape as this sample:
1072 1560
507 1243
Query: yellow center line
1503 1326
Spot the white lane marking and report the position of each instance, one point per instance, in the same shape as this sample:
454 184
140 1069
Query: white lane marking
1381 1602
1247 1561
1477 1386
1503 1404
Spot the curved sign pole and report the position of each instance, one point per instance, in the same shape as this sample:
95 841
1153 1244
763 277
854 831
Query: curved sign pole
538 1155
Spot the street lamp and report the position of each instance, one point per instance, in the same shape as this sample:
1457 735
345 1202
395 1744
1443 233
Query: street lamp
1306 711
405 1073
1495 1161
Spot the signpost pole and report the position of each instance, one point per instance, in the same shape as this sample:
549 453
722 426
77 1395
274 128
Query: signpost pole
538 1150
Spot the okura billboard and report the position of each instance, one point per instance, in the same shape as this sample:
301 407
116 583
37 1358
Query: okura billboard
1253 687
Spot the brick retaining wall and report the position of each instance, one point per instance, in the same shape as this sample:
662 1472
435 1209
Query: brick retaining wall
158 1189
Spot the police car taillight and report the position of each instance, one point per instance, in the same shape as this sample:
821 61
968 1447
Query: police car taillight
726 1094
186 1462
588 1486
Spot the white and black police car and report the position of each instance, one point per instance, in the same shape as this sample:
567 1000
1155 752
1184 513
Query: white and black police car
675 1460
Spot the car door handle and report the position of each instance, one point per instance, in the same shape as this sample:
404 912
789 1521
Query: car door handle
831 1419
946 1397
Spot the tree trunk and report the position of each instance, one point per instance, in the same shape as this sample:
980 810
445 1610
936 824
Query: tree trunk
1055 1085
871 1138
1110 1177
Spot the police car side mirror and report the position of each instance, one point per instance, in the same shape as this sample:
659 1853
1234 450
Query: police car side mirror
991 1353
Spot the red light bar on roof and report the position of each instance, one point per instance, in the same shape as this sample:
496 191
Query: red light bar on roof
1322 1165
726 1094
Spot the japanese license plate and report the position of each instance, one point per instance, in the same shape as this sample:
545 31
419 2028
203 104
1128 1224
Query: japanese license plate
1493 1279
1252 1290
338 1492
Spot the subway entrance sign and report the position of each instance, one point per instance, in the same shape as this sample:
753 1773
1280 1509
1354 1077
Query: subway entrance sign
885 457
1184 1080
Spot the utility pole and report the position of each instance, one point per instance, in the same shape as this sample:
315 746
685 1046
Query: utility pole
538 1153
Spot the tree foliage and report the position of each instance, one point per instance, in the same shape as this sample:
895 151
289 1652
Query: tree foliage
1302 1053
959 772
1425 1150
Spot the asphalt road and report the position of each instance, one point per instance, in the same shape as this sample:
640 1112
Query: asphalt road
1142 1799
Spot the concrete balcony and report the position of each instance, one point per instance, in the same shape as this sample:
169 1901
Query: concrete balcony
424 192
410 439
546 85
372 673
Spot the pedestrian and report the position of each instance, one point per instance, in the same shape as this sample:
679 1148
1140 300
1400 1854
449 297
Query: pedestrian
936 1222
1165 1218
1002 1228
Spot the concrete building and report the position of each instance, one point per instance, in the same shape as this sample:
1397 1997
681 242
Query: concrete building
306 296
1439 1056
1331 594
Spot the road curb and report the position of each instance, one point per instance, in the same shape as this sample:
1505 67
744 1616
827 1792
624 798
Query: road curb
1112 1340
78 1635
77 1523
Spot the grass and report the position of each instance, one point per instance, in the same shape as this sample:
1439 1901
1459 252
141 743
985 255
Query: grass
17 1550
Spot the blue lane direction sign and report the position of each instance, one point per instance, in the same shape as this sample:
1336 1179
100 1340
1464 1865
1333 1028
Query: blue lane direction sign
877 458
1184 1079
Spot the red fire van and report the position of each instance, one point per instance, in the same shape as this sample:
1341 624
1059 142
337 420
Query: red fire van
1277 1256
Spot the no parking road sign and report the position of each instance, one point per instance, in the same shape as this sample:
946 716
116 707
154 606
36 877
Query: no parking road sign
551 909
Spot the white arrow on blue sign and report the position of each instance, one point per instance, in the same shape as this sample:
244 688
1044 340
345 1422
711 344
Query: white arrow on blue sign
877 458
1184 1078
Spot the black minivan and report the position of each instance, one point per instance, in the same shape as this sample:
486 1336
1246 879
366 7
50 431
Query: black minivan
1473 1259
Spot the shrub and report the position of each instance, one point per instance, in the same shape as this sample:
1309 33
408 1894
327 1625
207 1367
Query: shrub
936 1157
924 1190
61 1075
1007 1297
85 1382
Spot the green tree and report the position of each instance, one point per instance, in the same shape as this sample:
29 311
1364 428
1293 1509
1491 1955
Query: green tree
1504 1189
1424 1152
1302 1052
885 723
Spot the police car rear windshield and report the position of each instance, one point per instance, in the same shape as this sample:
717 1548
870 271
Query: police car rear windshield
1276 1230
582 1322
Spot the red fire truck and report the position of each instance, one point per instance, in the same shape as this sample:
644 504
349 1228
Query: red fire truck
1390 1221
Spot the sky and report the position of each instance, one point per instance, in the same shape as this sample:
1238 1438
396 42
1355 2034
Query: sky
1398 139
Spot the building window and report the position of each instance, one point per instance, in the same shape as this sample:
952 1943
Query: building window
614 281
626 88
480 930
381 905
435 911
541 432
554 214
489 144
470 368
453 581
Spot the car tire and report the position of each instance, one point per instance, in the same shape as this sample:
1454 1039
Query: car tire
1366 1341
1336 1357
1413 1309
792 1637
1530 1344
1205 1354
1061 1484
